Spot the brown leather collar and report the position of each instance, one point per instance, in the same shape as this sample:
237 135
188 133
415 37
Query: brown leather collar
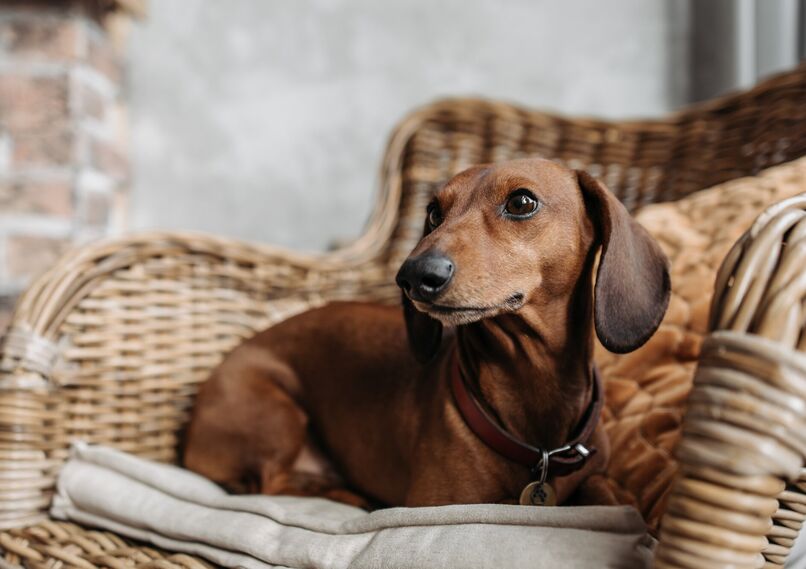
562 461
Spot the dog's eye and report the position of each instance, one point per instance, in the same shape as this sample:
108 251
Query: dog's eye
434 216
521 203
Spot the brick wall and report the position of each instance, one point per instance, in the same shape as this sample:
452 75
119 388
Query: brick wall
63 166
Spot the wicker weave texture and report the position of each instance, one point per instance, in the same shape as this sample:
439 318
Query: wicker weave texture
139 323
110 344
647 390
54 545
744 434
642 162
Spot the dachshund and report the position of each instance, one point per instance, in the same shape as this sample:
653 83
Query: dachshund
482 389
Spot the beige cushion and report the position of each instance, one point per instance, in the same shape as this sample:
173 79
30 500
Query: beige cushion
180 511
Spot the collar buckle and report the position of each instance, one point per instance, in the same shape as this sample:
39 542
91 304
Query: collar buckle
564 460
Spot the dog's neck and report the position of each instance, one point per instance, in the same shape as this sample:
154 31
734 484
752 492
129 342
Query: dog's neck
533 368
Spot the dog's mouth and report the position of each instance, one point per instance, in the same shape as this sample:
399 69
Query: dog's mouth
466 314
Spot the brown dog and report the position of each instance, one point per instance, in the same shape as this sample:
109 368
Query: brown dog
507 261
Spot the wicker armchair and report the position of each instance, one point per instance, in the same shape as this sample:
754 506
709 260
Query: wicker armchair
110 344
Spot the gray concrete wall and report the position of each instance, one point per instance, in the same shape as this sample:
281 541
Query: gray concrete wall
267 119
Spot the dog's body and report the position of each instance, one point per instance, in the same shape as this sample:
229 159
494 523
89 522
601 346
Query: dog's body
335 395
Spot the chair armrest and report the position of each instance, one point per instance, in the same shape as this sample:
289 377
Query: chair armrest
738 500
110 344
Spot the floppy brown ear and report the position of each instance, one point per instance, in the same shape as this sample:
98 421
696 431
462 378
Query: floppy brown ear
632 283
424 333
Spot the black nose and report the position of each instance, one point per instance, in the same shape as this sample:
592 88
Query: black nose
424 277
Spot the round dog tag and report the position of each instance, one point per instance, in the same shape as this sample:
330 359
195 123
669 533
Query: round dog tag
537 494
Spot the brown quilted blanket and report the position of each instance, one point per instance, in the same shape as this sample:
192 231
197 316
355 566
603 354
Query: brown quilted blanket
647 389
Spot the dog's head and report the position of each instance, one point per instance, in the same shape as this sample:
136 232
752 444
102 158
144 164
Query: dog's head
500 236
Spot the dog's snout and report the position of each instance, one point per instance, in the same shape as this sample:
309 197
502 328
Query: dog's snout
424 277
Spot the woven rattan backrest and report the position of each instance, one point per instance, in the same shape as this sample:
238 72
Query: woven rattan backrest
642 162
